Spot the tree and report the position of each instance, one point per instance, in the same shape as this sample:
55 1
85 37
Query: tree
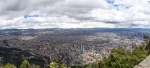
54 65
25 64
8 65
146 39
101 64
35 67
63 66
118 50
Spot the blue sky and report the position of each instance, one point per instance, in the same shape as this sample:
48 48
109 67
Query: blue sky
24 14
110 1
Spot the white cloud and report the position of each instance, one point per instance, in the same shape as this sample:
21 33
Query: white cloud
87 25
75 14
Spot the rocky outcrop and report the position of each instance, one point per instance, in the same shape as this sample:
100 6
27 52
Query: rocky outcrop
144 64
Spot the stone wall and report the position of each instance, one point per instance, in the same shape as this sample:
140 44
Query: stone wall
144 64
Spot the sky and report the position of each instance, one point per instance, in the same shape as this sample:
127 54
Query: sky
40 14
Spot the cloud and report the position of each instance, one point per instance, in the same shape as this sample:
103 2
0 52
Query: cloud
75 13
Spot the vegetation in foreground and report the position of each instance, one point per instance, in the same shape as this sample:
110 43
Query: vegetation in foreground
118 58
